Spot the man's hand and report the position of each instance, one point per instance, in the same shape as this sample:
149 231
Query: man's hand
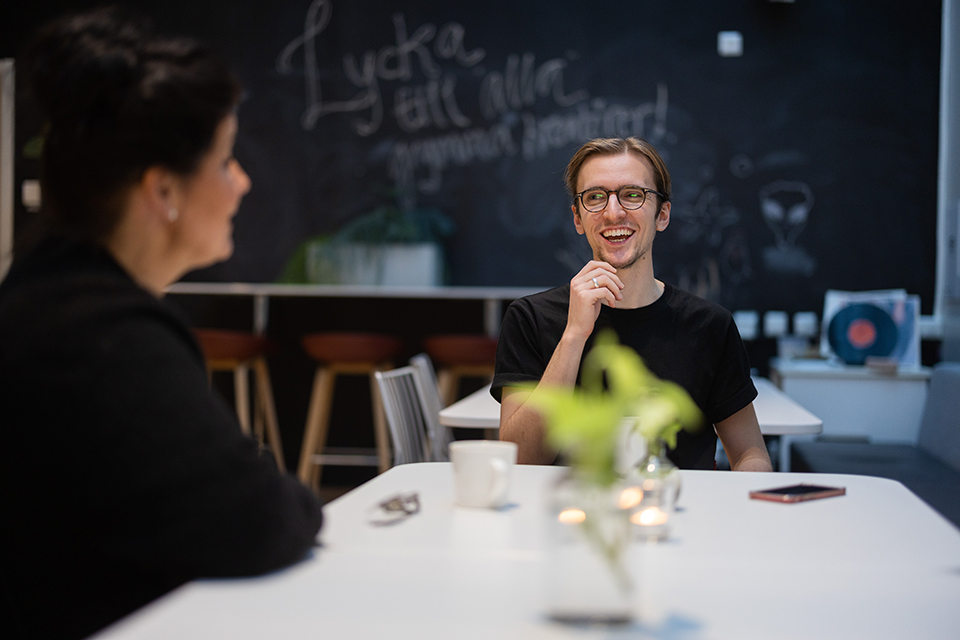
596 284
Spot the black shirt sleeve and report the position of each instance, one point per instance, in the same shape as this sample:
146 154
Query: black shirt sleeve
518 358
733 388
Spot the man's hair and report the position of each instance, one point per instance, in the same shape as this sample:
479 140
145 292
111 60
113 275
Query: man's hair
615 146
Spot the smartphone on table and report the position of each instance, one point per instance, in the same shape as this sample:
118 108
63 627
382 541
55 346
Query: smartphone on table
798 493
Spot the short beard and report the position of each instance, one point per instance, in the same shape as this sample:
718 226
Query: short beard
631 260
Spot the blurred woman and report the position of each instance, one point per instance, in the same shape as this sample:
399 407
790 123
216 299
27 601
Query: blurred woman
124 474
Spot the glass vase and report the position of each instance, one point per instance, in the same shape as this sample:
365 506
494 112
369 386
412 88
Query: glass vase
658 477
588 578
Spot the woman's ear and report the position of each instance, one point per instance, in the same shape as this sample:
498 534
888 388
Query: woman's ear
161 192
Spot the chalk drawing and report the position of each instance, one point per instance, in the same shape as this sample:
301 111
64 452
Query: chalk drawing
786 206
706 220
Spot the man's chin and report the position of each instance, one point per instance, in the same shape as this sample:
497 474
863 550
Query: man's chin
619 262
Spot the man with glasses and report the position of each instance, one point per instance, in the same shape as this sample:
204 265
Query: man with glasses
621 199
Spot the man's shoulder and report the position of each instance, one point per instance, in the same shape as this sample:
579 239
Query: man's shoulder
688 303
543 313
544 300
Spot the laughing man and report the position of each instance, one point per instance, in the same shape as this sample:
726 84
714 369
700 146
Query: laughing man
621 200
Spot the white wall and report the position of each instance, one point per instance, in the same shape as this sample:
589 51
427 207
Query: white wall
947 304
948 198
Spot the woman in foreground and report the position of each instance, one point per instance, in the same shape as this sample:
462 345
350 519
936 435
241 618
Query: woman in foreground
124 475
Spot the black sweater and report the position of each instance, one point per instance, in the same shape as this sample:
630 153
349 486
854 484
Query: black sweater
123 474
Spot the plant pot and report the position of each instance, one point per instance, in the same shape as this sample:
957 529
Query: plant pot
418 264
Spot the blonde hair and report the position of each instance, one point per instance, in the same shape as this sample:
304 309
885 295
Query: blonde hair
615 146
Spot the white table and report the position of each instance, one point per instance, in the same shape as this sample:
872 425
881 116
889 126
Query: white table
877 563
776 412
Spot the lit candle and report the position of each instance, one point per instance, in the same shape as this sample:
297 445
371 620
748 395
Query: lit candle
652 523
630 497
571 516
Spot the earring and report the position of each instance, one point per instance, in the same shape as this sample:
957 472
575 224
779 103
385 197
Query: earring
173 214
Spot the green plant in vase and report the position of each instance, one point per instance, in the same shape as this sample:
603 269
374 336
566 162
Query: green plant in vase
585 424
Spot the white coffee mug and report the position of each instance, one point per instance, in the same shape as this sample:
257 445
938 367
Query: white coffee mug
481 471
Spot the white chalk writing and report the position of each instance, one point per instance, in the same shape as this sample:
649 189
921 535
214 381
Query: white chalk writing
421 66
437 153
395 62
522 83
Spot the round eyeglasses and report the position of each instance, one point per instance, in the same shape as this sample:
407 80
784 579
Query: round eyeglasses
595 200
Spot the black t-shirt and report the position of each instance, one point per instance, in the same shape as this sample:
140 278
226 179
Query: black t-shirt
680 337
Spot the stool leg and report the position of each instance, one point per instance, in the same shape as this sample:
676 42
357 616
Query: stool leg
315 432
265 397
447 382
241 393
258 410
380 423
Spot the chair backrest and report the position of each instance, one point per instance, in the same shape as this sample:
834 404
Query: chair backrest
406 417
940 425
429 390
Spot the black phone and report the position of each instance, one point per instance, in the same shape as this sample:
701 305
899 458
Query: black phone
798 493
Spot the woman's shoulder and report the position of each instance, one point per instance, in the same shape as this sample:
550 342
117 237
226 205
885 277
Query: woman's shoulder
71 294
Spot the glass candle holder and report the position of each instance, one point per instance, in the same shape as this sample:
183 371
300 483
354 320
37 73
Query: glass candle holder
651 522
588 579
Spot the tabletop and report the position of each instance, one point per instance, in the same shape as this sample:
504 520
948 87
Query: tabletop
777 413
832 370
876 563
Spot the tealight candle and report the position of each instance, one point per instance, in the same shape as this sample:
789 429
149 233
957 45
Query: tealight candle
630 497
572 516
652 523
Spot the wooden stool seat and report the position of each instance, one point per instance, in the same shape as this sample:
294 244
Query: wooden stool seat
460 355
222 344
343 353
351 347
239 352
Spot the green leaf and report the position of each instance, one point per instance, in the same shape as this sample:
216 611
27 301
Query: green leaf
584 422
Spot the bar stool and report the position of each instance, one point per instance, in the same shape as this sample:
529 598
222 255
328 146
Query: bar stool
343 354
239 352
460 356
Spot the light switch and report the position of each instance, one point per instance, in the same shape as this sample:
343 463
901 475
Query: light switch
730 44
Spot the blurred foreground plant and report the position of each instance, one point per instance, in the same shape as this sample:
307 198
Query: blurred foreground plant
584 422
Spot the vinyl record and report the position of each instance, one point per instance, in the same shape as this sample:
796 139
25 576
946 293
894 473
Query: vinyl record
861 330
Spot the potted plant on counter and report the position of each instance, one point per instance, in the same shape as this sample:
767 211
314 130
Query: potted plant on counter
389 246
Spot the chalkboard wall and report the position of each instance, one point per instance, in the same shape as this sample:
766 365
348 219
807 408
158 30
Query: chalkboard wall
807 163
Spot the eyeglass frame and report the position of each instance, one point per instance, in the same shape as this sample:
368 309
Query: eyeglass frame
608 192
394 509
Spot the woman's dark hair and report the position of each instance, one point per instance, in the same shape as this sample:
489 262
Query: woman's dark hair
116 100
